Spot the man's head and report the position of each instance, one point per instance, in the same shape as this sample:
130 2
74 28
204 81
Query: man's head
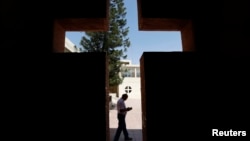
124 96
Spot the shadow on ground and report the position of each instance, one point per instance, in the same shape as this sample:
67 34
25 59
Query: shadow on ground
136 134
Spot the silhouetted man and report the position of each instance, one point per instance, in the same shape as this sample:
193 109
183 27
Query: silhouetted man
121 114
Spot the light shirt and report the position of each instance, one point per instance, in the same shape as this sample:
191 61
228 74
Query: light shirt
121 105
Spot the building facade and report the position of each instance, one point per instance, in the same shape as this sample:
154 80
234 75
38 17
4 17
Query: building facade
70 47
131 83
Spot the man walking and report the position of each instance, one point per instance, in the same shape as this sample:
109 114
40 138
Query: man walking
121 114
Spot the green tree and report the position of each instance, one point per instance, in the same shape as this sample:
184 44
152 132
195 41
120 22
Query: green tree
114 41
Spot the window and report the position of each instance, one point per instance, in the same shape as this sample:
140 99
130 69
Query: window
128 89
128 72
138 72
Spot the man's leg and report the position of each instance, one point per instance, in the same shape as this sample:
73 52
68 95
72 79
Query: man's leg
117 134
125 131
120 127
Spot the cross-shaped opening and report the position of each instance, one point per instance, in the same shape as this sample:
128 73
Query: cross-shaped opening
61 26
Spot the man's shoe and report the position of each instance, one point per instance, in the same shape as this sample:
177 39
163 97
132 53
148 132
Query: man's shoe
128 139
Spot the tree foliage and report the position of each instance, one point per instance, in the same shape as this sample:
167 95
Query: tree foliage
114 41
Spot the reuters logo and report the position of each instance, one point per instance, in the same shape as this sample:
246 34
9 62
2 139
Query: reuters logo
216 132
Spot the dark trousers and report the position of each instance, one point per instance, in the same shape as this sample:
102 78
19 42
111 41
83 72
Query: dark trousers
121 127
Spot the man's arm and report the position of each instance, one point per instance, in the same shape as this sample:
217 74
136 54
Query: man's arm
127 109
